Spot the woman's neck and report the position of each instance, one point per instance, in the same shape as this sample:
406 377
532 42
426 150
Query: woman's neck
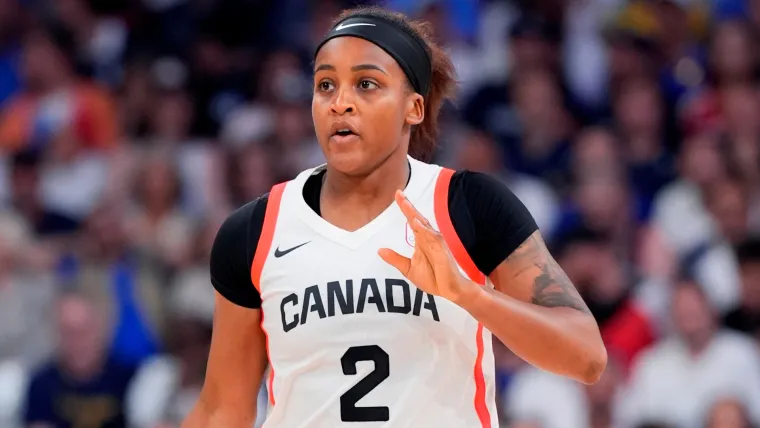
390 175
364 196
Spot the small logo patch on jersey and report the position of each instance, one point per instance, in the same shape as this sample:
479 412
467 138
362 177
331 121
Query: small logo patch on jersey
278 253
409 235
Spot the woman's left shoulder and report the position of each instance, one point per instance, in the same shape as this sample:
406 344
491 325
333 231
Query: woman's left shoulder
489 219
475 185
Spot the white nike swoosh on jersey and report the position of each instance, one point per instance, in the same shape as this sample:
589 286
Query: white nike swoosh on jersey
356 24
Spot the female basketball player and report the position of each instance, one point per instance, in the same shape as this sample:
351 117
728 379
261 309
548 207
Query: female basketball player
370 313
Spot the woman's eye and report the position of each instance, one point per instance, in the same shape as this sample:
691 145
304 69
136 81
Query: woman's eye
325 86
367 84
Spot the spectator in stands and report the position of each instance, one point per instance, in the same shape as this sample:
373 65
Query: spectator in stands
714 265
26 298
678 378
106 266
741 107
534 40
728 413
25 198
683 58
680 214
551 401
507 365
480 152
69 120
608 286
526 424
198 161
745 317
599 169
167 386
601 203
605 398
492 107
733 57
693 215
733 70
640 119
10 30
55 100
253 171
82 386
13 385
158 228
136 99
632 46
294 139
218 84
540 150
171 117
98 42
596 151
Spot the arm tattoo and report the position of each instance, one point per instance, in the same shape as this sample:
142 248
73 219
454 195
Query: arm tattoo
551 287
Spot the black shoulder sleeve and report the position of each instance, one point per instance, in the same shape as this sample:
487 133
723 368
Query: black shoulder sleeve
490 220
232 254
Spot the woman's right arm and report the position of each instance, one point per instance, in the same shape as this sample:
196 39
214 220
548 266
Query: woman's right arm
238 355
236 365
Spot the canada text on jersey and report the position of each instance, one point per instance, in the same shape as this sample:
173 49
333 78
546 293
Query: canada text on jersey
396 298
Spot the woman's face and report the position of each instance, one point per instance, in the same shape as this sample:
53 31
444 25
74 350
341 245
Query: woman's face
361 89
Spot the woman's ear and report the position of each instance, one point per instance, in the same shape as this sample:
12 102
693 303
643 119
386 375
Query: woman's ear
415 110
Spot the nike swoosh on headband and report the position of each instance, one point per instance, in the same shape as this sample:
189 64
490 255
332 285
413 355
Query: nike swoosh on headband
355 24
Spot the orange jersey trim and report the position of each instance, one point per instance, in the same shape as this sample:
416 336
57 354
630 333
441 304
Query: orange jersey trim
267 233
260 256
443 218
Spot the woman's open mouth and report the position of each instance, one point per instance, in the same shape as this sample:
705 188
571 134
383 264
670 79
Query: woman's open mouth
344 135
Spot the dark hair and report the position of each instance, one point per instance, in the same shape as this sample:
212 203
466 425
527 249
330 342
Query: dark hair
748 251
56 37
631 84
653 424
581 235
26 159
442 83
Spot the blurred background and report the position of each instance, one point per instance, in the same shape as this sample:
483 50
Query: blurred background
129 129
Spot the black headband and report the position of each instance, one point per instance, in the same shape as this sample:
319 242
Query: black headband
409 53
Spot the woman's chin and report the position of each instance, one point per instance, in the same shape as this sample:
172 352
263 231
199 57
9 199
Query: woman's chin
348 162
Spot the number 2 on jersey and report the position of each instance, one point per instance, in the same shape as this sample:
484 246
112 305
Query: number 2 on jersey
348 410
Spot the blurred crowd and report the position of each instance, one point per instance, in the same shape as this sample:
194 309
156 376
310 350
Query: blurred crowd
129 129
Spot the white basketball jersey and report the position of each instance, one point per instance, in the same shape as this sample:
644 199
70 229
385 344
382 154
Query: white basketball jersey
351 342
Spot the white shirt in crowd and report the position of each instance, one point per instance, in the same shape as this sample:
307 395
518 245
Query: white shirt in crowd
547 399
671 385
